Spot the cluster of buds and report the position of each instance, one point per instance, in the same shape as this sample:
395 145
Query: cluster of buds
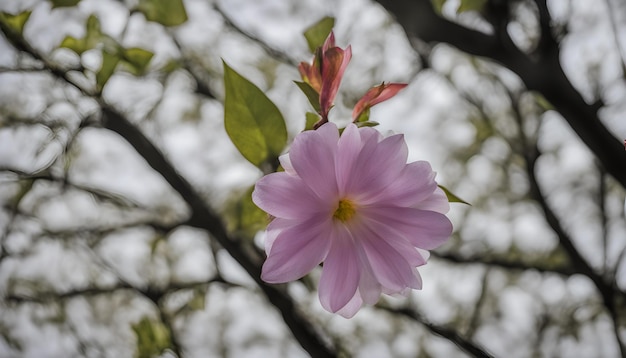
323 77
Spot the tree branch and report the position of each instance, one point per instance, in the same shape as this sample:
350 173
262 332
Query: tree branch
540 266
202 216
450 334
543 74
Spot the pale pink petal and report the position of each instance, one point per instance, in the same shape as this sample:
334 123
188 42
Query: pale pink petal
414 184
352 307
425 229
368 132
405 292
275 227
395 239
348 150
425 253
340 276
285 162
378 165
437 202
389 266
297 250
286 196
314 161
329 134
369 287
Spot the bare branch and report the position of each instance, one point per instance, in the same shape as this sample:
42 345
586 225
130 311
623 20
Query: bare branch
202 215
469 347
544 75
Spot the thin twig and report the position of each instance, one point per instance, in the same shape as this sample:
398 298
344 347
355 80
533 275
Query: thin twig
469 347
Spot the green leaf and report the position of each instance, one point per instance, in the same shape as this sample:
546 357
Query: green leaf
453 198
438 5
252 121
311 119
165 12
109 63
64 3
171 66
367 124
311 94
364 116
317 33
244 217
137 60
92 37
153 338
16 22
471 5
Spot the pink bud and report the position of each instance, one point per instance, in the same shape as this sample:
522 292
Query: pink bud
376 95
325 73
334 64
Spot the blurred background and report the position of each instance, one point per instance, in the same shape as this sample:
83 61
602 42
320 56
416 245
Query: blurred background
126 228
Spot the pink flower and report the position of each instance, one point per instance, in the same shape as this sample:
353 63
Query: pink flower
353 203
325 73
376 95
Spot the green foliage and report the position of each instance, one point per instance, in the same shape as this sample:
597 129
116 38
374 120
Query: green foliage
16 22
136 59
367 124
153 338
252 121
452 197
317 33
92 37
109 63
245 218
165 12
311 119
364 116
311 94
471 5
64 3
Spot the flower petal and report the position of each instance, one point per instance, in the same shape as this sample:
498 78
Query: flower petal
285 162
438 202
376 95
274 228
414 184
378 165
396 240
352 307
340 276
424 229
286 196
297 250
335 60
312 155
389 266
348 150
369 287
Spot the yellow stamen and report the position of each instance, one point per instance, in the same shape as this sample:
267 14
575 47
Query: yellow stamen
345 210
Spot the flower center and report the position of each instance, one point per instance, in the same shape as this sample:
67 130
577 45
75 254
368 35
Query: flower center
345 210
